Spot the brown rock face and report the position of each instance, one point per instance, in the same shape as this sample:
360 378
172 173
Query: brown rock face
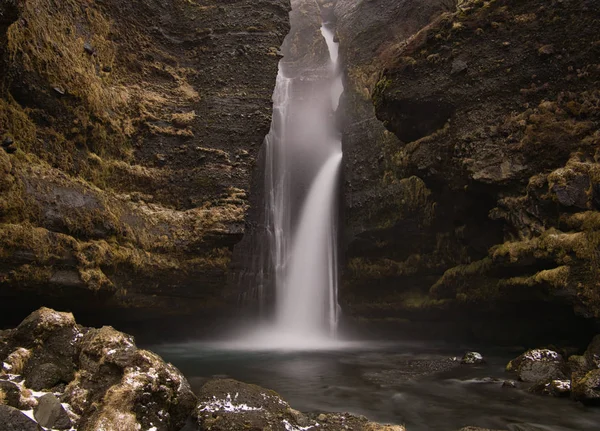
494 110
129 131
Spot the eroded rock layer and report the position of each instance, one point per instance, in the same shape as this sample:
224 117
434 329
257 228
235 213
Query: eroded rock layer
485 198
129 132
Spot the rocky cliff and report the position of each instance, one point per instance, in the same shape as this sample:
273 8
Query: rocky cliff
485 199
129 131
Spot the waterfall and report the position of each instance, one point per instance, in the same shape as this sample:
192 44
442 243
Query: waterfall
302 166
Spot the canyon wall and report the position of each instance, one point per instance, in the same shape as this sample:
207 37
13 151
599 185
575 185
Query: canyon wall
129 132
479 202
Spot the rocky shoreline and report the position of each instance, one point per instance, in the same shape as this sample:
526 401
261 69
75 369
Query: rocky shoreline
58 375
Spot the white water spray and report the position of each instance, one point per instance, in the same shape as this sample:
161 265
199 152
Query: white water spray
302 164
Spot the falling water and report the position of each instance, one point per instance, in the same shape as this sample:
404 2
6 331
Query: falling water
302 164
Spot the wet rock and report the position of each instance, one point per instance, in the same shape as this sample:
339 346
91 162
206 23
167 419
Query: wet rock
50 413
555 388
538 365
587 389
509 384
12 419
472 358
11 392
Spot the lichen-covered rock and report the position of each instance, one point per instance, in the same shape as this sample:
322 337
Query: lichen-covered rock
43 348
538 365
587 389
507 152
472 358
87 211
225 404
116 382
110 383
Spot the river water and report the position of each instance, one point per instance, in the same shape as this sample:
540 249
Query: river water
423 388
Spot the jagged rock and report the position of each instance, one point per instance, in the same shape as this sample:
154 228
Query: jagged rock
12 419
111 383
555 388
587 389
118 382
537 365
472 358
50 413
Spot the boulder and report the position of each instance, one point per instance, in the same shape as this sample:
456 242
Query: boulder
472 358
538 365
43 348
226 404
51 414
119 385
108 382
12 419
10 394
587 389
555 388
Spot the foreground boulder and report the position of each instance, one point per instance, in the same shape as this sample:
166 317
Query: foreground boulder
538 365
11 419
108 383
226 405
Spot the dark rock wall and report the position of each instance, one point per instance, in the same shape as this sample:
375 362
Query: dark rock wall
483 202
130 131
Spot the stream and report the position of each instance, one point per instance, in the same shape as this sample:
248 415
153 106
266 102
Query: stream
422 387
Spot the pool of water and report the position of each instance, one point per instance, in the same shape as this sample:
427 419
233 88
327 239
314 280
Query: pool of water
421 387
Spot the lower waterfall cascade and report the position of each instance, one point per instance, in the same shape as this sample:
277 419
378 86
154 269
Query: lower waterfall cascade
302 168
